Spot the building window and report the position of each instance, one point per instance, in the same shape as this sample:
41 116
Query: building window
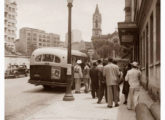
5 29
9 31
13 9
147 45
34 34
5 14
140 48
29 34
34 39
143 50
151 39
158 32
28 39
9 16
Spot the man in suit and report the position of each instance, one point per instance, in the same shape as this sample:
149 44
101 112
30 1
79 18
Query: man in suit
102 82
112 74
94 80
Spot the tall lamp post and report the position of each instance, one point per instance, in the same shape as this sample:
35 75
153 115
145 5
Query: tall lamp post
68 95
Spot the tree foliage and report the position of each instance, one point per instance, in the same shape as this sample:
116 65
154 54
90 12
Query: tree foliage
105 48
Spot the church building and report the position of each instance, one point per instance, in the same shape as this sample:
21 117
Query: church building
97 36
97 30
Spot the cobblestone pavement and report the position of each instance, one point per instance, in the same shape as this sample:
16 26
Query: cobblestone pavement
83 108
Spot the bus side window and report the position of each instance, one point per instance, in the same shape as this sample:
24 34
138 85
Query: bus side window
38 58
57 59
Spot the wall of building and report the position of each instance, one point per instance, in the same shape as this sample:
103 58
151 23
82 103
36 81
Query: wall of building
145 14
76 36
31 38
149 40
10 24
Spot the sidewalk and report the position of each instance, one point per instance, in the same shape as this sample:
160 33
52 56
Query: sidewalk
85 108
145 98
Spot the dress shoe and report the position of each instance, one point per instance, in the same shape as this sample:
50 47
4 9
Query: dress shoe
125 102
116 105
98 102
109 106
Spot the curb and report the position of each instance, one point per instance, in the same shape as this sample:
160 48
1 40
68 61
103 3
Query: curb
143 112
155 110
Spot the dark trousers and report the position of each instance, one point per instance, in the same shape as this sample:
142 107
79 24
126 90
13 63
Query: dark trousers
102 92
94 90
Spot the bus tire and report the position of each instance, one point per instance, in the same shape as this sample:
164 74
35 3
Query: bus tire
46 87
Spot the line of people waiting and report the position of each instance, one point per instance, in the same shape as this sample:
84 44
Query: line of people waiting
103 78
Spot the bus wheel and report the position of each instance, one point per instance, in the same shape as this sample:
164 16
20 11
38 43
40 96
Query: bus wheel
46 87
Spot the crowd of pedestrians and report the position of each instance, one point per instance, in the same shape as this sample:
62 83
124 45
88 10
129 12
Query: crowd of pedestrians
103 79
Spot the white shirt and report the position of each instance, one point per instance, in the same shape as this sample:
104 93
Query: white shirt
133 77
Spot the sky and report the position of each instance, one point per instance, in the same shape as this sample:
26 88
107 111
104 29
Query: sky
52 15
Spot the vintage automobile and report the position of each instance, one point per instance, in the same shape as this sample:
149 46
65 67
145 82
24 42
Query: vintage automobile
14 71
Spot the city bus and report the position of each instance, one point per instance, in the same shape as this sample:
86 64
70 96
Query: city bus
48 66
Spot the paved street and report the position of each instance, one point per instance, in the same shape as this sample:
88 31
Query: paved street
23 99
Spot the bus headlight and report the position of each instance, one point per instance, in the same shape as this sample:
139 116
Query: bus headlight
55 73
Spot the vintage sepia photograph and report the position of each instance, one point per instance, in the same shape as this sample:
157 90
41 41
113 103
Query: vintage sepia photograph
82 59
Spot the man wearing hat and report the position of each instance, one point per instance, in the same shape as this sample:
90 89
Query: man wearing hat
77 76
133 77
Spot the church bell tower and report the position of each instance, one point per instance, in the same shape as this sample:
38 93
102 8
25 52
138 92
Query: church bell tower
96 31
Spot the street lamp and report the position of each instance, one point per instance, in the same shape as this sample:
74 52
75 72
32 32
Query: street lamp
68 95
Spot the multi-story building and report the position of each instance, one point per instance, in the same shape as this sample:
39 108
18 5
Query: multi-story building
31 39
76 37
10 24
141 33
61 44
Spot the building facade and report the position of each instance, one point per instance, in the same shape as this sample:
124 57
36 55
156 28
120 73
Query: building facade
141 33
76 36
10 24
30 39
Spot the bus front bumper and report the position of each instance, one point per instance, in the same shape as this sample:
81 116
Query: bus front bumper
53 84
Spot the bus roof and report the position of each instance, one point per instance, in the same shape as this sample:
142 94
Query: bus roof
57 51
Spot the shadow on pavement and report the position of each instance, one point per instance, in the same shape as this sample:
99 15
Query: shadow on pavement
49 91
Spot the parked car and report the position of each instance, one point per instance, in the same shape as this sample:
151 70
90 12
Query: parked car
15 71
